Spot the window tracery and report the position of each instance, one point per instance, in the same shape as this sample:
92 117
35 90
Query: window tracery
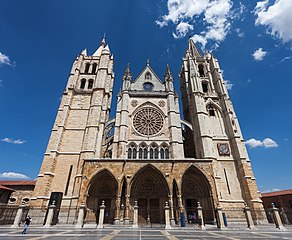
148 121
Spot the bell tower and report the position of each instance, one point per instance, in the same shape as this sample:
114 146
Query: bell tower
216 134
78 129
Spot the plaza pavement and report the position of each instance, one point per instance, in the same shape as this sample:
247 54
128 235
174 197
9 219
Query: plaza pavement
118 233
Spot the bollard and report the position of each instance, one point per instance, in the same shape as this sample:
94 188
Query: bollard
81 214
200 216
284 216
219 218
101 215
135 220
248 217
122 214
277 218
182 219
50 215
167 220
18 216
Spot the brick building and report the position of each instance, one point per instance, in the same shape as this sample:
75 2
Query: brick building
282 200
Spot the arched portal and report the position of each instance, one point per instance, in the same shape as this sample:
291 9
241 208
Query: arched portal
103 187
150 189
196 188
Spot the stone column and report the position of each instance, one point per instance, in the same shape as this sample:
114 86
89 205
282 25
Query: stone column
200 216
284 216
277 218
248 217
50 215
220 221
117 211
18 216
122 214
167 220
101 215
126 218
172 222
135 220
81 215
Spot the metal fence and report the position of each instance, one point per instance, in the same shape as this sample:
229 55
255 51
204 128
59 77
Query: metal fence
8 213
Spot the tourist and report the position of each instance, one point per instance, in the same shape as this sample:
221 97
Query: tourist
27 221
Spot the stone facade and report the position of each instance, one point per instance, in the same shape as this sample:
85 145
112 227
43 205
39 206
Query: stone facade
147 153
18 192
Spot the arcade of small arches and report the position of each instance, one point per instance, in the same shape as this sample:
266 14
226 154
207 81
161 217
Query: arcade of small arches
151 189
153 151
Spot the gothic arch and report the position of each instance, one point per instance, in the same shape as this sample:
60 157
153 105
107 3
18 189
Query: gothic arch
216 118
150 189
195 188
213 104
102 187
148 104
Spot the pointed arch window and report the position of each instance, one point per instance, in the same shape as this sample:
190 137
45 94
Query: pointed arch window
164 153
148 76
143 152
201 70
205 87
211 111
94 66
154 152
87 66
132 152
90 84
82 83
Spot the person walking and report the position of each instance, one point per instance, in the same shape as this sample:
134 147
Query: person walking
27 221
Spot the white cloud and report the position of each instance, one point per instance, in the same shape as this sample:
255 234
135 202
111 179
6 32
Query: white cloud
239 32
182 29
276 17
266 143
14 141
271 190
286 58
5 60
228 84
213 15
13 175
259 54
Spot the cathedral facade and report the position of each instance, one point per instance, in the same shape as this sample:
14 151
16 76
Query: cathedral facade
147 153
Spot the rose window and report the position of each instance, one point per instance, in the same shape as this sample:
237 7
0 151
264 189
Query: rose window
148 121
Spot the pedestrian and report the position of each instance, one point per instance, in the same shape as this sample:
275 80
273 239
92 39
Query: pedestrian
27 221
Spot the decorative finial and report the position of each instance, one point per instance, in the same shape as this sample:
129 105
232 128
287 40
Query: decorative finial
103 42
128 71
148 62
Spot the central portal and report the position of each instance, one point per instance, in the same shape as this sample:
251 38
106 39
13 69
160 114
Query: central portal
150 189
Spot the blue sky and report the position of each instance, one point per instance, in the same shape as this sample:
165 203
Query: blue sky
252 40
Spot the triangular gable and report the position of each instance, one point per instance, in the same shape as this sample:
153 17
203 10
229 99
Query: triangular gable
137 84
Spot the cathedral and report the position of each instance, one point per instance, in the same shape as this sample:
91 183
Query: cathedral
151 152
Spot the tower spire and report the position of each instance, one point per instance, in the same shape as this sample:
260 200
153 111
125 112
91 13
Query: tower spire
103 42
192 48
167 75
101 47
128 74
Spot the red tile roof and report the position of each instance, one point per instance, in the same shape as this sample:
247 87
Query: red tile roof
277 193
6 188
17 183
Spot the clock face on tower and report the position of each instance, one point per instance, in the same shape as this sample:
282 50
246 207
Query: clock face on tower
148 86
223 149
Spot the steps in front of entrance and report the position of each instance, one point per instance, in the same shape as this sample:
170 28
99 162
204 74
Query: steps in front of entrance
149 226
